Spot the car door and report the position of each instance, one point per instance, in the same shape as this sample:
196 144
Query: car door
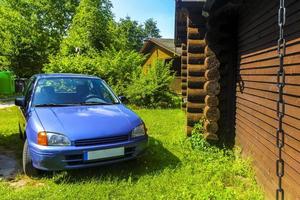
23 111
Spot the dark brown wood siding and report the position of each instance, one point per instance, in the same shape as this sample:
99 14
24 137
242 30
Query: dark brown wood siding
256 119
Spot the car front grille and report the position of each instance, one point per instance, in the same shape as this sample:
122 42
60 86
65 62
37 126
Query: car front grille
100 141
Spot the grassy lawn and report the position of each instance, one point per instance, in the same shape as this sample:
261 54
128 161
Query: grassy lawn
170 169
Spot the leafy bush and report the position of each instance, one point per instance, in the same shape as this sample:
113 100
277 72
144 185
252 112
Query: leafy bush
116 67
151 88
120 67
83 64
197 140
123 72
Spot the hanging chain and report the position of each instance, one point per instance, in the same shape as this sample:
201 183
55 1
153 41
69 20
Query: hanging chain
280 103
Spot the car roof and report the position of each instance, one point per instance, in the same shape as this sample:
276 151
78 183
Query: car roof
64 75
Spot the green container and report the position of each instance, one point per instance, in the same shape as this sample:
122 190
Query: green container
7 83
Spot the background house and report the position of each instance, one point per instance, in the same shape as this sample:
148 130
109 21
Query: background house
164 49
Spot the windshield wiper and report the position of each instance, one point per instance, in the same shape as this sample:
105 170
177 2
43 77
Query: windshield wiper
95 103
53 105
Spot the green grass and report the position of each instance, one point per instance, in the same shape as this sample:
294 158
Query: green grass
170 169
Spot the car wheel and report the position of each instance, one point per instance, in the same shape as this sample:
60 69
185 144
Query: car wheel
28 168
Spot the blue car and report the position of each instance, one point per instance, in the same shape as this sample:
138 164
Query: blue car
71 121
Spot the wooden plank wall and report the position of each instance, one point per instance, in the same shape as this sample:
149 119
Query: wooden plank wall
256 119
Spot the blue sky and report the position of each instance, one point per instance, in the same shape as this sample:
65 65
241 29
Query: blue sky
162 11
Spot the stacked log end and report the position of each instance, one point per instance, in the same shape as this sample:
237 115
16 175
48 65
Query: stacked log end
212 88
184 76
195 75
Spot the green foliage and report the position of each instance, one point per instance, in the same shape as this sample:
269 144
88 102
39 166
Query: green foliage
129 34
8 32
151 30
169 169
152 89
32 30
116 67
81 63
89 28
197 140
123 72
119 68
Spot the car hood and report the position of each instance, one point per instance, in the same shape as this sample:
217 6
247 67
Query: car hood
87 122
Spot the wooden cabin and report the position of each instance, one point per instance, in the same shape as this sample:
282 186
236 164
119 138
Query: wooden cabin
164 49
245 87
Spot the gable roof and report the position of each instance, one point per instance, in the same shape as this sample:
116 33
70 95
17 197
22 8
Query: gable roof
167 44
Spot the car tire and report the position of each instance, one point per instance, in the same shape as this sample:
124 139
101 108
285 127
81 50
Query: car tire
28 168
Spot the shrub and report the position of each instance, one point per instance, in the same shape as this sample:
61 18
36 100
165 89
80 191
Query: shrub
83 64
119 68
151 88
197 140
116 67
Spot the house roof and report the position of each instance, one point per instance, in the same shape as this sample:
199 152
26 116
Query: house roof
167 44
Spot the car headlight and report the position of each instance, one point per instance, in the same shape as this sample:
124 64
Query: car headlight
139 131
53 139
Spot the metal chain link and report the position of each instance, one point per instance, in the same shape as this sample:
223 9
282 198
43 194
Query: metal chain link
280 103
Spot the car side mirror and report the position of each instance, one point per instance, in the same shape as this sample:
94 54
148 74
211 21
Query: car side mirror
20 101
123 99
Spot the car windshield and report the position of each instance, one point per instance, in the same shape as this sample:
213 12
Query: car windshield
66 91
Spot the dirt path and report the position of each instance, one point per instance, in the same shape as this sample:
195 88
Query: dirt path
6 104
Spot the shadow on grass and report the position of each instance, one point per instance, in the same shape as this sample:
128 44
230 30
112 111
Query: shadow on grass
154 160
11 142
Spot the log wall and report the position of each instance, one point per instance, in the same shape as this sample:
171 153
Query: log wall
212 88
202 79
184 75
195 71
221 63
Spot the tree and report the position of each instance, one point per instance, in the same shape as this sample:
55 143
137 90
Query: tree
35 29
132 32
89 46
150 29
89 30
130 35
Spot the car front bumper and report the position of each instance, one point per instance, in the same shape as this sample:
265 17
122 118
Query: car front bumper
71 157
